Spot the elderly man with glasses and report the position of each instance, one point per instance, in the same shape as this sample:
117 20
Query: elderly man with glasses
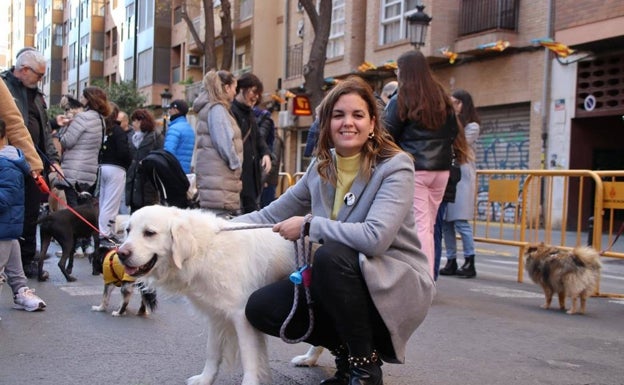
22 81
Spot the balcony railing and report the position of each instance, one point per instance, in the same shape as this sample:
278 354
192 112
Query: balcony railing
485 15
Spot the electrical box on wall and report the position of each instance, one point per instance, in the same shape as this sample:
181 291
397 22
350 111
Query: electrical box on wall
285 119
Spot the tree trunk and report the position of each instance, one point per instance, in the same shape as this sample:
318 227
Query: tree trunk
314 69
226 35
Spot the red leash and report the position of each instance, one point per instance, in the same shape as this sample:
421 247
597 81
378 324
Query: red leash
43 187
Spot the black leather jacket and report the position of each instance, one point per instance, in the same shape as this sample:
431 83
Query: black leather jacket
42 138
432 149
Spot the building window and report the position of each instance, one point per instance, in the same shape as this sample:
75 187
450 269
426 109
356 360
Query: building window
130 19
97 55
393 23
477 16
144 68
335 45
98 8
58 35
128 69
245 9
107 44
146 14
177 15
241 59
294 57
114 38
72 56
83 55
175 74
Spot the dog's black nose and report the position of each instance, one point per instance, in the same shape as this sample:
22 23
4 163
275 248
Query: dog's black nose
123 252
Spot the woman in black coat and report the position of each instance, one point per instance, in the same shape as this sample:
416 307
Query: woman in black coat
140 191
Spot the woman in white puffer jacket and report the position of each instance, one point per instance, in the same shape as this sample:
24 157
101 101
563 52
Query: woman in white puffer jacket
81 141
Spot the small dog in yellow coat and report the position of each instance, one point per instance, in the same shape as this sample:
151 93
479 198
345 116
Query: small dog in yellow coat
106 262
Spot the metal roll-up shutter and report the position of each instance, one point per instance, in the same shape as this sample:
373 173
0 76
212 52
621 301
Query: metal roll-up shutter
503 144
504 139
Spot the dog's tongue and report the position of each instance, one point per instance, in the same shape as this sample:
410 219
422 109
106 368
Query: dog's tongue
131 270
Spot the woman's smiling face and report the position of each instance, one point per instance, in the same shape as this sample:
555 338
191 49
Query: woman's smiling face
351 124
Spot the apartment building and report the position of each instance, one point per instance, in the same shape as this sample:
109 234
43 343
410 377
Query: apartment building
586 123
49 40
532 103
21 31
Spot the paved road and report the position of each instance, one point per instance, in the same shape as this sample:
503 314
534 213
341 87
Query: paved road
488 330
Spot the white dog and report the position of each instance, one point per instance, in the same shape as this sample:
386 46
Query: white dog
189 252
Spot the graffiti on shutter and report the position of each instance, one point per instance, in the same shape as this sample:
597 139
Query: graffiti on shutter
503 144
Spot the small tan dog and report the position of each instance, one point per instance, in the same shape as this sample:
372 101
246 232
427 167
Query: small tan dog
571 274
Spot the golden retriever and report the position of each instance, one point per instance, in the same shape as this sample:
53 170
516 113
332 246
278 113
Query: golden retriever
192 253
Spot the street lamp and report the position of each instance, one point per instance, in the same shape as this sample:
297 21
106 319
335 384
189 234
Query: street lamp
417 24
165 98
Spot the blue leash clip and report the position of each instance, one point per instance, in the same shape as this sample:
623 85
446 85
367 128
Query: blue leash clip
297 276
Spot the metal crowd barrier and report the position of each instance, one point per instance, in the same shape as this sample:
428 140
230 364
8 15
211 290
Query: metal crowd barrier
523 207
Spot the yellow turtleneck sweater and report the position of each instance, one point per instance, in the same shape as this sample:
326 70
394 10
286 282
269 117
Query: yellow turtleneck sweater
347 170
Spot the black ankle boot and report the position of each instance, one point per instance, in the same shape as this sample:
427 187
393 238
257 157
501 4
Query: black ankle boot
468 268
365 370
450 268
341 377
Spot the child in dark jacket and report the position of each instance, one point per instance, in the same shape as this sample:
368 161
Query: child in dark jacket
13 169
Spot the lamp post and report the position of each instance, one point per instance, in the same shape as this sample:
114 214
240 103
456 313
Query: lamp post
165 98
417 24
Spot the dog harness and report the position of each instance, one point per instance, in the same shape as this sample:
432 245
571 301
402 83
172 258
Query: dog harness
113 271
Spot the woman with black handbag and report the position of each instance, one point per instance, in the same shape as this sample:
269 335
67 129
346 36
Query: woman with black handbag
462 210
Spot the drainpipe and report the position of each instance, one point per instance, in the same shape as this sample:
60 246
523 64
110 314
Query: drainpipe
546 86
285 130
546 101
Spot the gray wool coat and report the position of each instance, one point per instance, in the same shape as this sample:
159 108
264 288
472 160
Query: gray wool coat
464 205
380 224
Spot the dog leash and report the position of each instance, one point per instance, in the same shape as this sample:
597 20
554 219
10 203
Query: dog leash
303 275
44 188
614 240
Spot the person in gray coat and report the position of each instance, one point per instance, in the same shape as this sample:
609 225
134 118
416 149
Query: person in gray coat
462 210
370 284
219 157
81 141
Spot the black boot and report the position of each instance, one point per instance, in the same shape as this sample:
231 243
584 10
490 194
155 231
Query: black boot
468 268
450 268
341 377
365 370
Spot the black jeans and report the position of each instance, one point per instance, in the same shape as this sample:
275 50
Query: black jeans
32 202
343 310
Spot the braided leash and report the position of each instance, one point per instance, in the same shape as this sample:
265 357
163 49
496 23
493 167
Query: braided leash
303 274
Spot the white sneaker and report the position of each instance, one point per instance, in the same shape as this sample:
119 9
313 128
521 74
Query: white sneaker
25 299
89 250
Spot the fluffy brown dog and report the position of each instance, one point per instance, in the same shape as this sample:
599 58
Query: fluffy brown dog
568 273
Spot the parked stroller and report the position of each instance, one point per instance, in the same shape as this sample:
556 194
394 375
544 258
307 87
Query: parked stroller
167 175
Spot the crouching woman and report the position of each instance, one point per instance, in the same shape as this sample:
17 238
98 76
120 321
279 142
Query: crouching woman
370 283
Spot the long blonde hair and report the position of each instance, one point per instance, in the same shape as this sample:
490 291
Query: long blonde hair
214 83
380 146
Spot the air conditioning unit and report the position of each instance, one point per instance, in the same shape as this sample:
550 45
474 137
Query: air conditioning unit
193 61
